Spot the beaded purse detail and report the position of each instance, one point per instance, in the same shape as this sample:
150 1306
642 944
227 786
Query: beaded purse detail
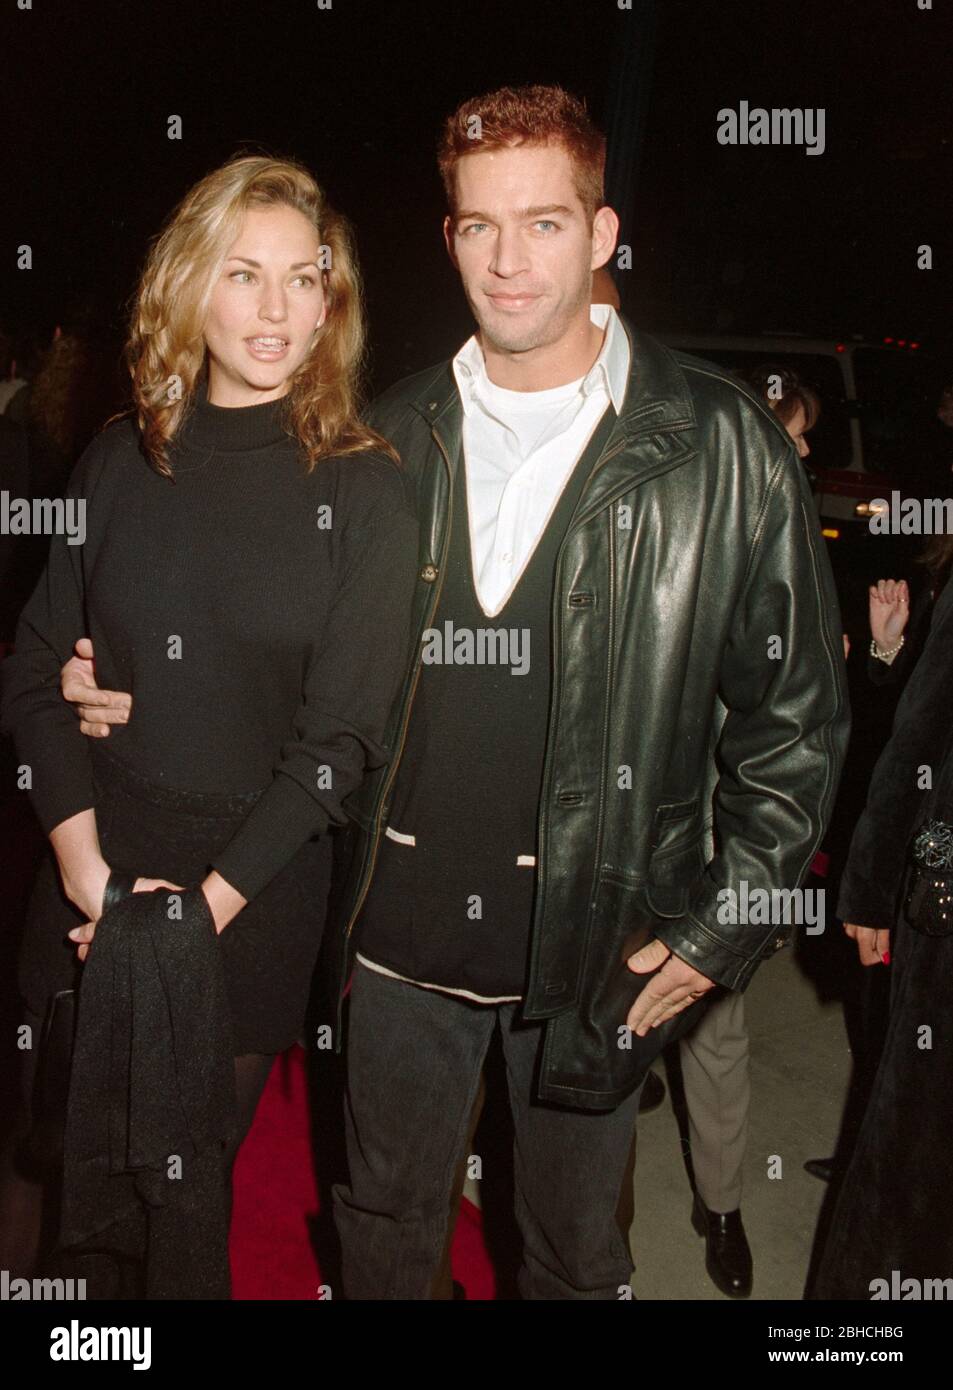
929 902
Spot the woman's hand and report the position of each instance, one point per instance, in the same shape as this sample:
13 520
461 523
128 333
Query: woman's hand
83 936
97 709
873 944
224 901
889 611
86 891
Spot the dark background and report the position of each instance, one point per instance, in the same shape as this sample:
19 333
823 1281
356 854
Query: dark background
724 238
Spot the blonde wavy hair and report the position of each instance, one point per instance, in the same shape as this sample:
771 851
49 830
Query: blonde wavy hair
166 344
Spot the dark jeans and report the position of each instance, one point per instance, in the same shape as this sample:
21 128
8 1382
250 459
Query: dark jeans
414 1062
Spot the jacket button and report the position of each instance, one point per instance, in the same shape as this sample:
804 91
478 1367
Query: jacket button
429 572
779 941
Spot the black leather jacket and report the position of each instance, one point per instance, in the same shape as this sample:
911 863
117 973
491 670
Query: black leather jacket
699 713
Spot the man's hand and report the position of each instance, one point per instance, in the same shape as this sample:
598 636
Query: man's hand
97 709
873 944
83 936
676 986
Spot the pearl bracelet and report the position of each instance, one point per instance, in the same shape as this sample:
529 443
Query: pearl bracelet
884 656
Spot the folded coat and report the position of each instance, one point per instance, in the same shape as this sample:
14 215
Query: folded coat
152 1097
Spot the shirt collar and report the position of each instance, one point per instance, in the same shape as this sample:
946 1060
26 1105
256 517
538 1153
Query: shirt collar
610 369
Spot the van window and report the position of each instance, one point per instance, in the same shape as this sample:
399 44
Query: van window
829 440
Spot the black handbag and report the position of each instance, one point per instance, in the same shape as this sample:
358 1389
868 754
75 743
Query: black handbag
41 1152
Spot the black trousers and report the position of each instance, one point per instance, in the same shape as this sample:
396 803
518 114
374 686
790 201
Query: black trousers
415 1058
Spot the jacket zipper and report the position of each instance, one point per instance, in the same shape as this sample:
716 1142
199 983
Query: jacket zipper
395 761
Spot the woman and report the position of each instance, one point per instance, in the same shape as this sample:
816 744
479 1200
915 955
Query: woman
794 402
247 568
892 1221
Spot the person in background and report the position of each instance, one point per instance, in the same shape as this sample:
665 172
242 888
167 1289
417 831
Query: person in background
15 574
10 379
892 1220
899 630
715 1054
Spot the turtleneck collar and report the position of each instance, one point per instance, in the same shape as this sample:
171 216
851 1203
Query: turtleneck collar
232 429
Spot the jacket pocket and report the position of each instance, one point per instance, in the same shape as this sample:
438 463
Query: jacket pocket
672 874
591 1060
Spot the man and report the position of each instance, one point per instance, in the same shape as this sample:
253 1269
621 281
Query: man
645 528
619 572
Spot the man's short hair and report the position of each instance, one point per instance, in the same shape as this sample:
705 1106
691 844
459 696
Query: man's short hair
533 115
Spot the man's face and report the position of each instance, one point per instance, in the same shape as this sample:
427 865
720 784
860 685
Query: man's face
523 244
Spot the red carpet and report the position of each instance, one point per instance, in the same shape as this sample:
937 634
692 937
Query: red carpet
276 1200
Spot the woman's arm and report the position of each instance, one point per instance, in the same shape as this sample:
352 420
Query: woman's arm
83 870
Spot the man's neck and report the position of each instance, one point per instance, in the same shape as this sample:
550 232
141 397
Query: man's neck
542 368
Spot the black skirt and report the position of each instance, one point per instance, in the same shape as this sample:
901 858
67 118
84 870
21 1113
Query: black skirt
269 949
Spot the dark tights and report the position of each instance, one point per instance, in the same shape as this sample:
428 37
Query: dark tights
22 1200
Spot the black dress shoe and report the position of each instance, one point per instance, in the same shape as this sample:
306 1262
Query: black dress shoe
821 1168
653 1093
727 1252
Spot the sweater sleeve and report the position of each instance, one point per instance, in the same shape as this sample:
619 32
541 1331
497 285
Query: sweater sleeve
878 851
351 680
44 728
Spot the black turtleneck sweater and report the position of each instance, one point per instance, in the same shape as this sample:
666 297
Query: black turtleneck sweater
257 613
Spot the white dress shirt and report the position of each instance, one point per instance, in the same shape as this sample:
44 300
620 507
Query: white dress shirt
520 448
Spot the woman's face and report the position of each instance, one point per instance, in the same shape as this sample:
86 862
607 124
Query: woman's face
796 428
265 307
